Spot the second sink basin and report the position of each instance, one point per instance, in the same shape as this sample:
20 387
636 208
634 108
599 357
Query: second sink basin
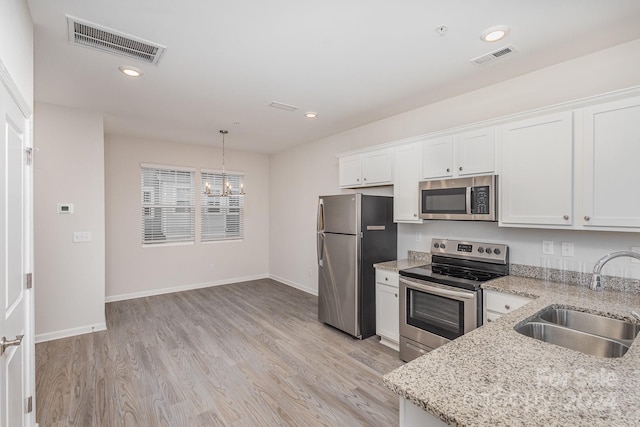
584 332
591 323
574 340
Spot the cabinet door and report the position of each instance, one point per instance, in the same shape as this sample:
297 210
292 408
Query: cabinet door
537 172
387 312
377 167
437 157
350 171
611 164
476 152
405 183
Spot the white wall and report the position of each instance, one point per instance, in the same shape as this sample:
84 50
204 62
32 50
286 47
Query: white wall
303 173
68 168
16 45
133 271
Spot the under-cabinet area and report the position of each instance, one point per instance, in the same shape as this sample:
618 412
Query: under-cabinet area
558 167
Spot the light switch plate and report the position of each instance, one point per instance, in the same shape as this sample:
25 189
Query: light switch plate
81 236
567 248
547 247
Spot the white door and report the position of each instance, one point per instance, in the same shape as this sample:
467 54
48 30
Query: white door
15 260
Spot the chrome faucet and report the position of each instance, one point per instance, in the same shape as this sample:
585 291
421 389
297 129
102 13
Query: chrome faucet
596 284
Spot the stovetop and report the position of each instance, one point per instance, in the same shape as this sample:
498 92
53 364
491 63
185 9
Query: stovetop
462 264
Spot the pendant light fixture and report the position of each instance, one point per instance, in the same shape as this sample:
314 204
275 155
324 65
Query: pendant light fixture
227 189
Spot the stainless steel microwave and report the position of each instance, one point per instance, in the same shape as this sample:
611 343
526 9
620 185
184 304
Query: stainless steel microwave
460 199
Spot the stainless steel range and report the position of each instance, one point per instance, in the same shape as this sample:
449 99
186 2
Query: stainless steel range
442 301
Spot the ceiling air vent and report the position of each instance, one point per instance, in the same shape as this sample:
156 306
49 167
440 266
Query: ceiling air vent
94 36
492 56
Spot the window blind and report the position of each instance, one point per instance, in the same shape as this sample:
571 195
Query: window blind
168 199
222 217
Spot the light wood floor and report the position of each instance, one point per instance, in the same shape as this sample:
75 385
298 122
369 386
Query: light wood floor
247 354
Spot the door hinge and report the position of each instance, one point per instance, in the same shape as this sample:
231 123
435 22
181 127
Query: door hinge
29 404
29 280
29 158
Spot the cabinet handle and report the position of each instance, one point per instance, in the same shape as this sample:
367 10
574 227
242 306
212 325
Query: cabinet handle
566 217
507 306
396 295
587 218
365 179
415 215
357 179
386 279
489 320
460 168
448 170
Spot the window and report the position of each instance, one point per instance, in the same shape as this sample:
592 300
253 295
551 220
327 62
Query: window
222 217
168 199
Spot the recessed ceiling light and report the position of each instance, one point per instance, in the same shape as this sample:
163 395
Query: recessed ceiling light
494 34
131 71
311 115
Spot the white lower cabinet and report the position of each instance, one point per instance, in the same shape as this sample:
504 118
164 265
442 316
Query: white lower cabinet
412 415
497 304
387 308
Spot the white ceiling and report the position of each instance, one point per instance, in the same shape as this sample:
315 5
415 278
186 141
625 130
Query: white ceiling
351 61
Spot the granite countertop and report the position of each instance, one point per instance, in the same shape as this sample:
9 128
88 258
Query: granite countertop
414 259
495 376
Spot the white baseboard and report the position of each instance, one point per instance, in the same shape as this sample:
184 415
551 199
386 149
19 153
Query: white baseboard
294 285
65 333
154 292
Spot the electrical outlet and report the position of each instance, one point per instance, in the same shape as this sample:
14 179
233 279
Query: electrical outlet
547 247
635 249
81 236
418 237
567 248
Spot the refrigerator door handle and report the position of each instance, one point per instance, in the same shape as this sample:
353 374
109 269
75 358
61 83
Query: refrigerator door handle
321 249
320 225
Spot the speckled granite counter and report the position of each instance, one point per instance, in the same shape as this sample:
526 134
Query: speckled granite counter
494 376
415 259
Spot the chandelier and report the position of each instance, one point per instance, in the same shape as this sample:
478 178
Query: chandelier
227 189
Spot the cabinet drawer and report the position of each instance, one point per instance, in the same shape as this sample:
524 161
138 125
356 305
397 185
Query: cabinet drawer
503 303
491 316
387 277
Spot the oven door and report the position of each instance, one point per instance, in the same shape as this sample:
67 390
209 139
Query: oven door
432 314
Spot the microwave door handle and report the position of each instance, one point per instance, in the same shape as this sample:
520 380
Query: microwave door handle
468 201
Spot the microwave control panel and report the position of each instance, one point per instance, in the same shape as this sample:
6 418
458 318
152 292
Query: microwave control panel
480 202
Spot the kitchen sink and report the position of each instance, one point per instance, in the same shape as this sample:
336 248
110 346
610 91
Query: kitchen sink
591 323
584 332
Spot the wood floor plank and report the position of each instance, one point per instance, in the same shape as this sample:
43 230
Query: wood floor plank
246 354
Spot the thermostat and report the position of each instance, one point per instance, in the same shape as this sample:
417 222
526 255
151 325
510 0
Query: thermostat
65 208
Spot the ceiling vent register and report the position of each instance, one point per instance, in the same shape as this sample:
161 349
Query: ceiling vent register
492 56
105 39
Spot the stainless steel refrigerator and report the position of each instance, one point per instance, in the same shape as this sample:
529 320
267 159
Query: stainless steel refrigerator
355 231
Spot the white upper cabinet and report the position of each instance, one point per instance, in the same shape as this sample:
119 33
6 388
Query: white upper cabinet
467 153
437 157
406 176
537 172
611 165
366 169
476 152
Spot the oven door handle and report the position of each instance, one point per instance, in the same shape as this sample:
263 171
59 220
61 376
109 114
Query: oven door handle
438 291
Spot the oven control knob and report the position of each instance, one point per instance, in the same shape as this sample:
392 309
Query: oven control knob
442 246
436 245
481 249
496 251
488 250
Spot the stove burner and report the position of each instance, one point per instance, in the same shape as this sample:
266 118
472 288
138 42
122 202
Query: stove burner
463 273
